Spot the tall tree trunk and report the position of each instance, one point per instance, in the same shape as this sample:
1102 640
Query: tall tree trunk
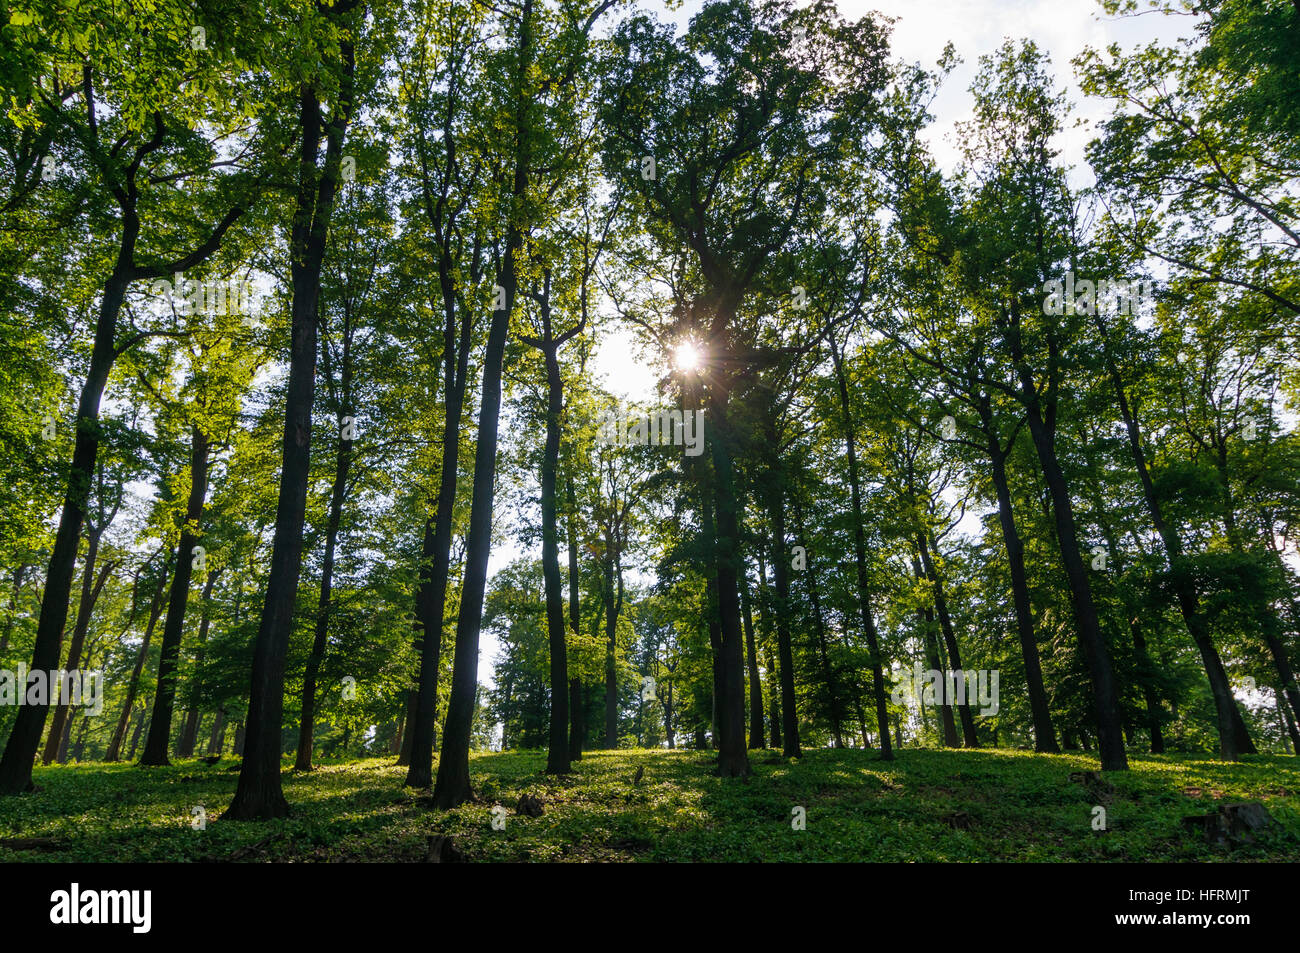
935 664
785 654
774 696
819 630
860 558
773 677
708 536
1234 737
189 734
135 735
969 736
217 735
613 596
90 590
666 699
79 749
25 736
453 784
160 728
733 756
756 739
435 558
1040 713
1288 722
1105 696
557 755
576 726
342 464
1147 677
259 795
155 610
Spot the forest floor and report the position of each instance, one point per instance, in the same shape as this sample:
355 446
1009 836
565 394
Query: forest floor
988 805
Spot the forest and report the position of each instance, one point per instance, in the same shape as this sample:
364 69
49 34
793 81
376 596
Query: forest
608 430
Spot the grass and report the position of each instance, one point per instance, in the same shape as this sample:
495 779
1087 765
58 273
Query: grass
995 805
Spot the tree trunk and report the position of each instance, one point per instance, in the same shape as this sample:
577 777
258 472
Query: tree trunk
576 722
90 590
819 630
1149 696
613 605
160 728
217 736
1040 713
773 677
785 654
453 784
13 607
935 664
79 749
435 563
733 756
860 559
774 696
756 739
1110 739
25 736
119 735
135 735
557 755
259 795
189 734
1234 737
342 464
969 736
1288 722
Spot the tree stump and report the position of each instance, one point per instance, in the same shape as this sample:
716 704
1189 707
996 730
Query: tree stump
529 806
1235 825
443 851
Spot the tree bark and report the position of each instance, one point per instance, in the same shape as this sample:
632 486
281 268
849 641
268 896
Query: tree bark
613 596
90 590
819 630
1110 738
155 610
557 755
577 729
259 795
756 739
1234 737
969 735
785 654
860 558
160 728
25 736
342 464
189 734
1040 713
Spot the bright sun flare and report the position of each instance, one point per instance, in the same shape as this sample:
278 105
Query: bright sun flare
686 356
